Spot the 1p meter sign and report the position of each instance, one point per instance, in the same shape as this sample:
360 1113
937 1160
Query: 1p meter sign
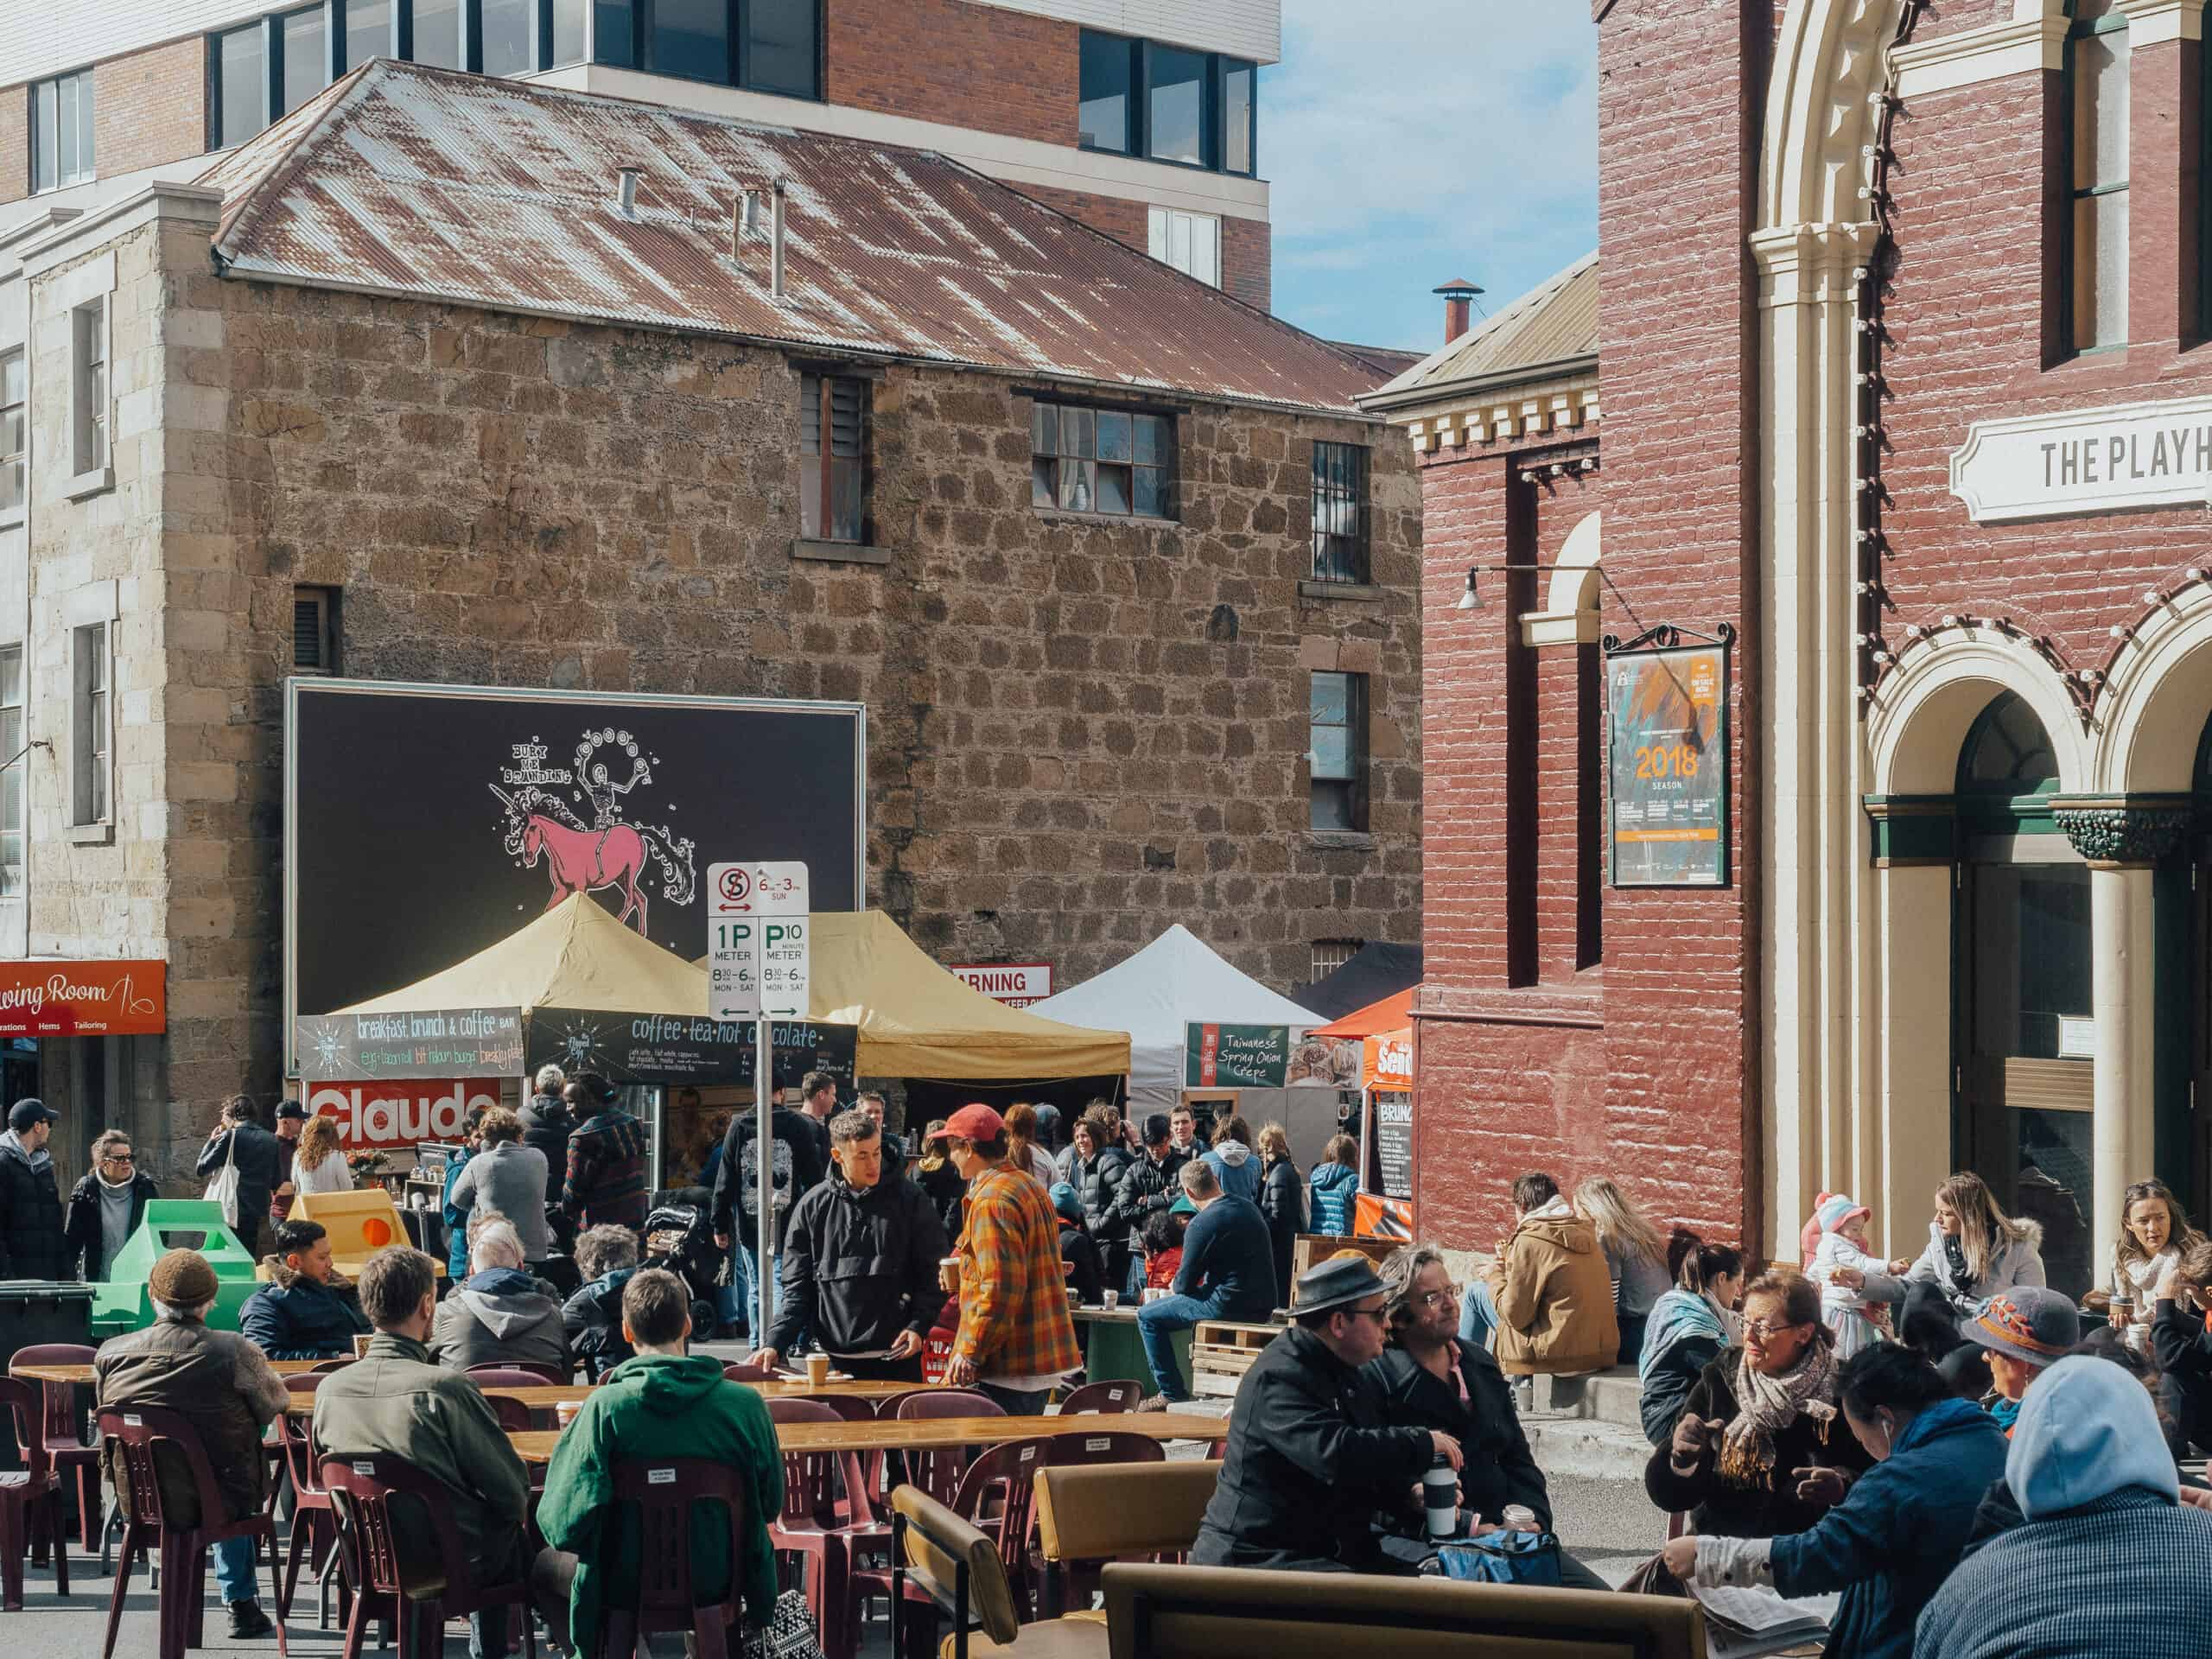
757 928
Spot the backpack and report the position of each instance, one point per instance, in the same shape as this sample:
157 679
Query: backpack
779 1173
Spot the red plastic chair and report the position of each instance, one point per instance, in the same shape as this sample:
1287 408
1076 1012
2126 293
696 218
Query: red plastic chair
664 1489
826 1519
516 1374
182 1550
999 1495
77 1463
938 1473
324 1367
744 1370
315 1527
1103 1397
361 1492
29 1495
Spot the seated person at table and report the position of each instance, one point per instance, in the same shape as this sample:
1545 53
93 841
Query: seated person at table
607 1256
1310 1458
500 1316
1228 1272
1086 1268
859 1268
662 1403
396 1403
1162 1238
306 1310
1430 1379
224 1385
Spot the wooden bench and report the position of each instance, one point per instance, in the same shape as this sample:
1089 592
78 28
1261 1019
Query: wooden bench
1221 1352
1205 1612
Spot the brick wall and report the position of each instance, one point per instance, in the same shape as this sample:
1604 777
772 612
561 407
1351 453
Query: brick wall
150 107
1247 244
949 60
15 143
1080 731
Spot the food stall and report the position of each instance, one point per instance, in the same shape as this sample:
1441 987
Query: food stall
1384 1033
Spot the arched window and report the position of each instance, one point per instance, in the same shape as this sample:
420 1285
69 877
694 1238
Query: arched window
2007 752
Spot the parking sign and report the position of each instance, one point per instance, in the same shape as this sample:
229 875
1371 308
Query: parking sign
757 943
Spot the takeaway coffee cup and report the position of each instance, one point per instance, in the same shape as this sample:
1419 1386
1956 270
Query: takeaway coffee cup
1519 1517
818 1370
948 1274
1154 1293
1439 1496
565 1411
1108 1298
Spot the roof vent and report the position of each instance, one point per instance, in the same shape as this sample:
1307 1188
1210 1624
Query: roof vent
626 191
1458 300
776 232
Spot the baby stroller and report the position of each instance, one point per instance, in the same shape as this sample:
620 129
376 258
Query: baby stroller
678 1237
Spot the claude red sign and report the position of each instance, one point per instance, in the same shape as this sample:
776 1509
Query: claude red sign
401 1112
50 997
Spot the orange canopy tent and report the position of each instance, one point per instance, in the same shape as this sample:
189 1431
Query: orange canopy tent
1391 1014
1385 1031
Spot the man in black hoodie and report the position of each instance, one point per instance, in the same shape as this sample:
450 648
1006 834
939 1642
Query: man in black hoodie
861 1255
1148 1188
547 1124
31 1245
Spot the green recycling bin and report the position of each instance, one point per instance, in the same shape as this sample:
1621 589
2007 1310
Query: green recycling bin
121 1304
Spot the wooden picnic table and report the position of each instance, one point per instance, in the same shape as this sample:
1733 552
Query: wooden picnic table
545 1396
84 1373
944 1433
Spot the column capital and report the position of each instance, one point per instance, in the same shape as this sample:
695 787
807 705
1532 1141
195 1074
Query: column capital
2111 830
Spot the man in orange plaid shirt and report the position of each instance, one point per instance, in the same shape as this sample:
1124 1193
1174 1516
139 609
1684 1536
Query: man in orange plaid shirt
1015 1340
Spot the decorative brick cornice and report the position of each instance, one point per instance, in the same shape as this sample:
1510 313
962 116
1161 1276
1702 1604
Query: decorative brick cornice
2112 830
1971 56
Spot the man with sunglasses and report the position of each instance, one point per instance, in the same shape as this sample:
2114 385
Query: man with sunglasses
1310 1460
106 1207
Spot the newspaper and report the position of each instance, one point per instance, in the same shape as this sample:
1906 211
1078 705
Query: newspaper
1744 1624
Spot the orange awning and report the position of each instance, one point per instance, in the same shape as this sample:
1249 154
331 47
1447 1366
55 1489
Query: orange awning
1391 1014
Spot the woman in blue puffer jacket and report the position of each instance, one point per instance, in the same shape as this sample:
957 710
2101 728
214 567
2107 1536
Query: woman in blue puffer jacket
1334 1184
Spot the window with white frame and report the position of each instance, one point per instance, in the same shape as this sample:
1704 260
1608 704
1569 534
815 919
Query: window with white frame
61 131
88 422
90 723
1190 242
11 780
14 429
1103 460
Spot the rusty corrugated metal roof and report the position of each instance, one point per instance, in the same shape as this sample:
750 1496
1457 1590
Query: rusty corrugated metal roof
422 181
1554 323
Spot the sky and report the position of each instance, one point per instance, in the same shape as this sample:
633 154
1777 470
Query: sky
1410 143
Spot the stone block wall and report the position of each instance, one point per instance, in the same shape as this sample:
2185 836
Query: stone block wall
1080 730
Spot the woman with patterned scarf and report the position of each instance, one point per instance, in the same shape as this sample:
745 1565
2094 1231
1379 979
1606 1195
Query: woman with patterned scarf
1757 1451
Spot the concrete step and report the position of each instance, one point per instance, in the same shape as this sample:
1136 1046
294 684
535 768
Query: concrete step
1610 1397
1584 1449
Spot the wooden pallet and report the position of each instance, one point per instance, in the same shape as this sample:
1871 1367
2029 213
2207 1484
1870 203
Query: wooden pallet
1221 1352
1307 1248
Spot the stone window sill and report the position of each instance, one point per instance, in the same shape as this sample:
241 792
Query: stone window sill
840 552
1116 520
91 835
1340 840
92 483
13 519
1365 591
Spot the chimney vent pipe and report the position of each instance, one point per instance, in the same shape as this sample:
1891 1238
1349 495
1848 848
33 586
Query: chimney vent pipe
776 236
1458 300
626 191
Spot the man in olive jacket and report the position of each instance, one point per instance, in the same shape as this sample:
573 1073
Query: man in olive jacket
662 1403
397 1402
1310 1460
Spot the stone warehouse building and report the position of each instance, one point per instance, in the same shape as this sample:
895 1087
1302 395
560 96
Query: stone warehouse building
1906 325
453 379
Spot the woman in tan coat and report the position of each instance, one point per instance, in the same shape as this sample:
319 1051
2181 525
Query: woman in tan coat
1552 1289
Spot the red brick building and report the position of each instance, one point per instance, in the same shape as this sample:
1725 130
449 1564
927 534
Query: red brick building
1903 320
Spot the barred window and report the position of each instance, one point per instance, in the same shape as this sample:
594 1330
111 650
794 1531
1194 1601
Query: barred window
1114 462
833 450
1339 512
1329 955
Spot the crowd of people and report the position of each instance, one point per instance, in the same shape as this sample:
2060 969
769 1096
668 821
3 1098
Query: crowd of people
1937 1441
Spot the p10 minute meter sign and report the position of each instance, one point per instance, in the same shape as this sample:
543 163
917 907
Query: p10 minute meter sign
756 927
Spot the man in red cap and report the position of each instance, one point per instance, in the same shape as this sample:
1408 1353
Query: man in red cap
1015 1340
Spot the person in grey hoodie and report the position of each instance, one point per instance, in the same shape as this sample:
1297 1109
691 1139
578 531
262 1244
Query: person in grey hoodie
1234 1165
501 1316
2111 1562
509 1176
107 1206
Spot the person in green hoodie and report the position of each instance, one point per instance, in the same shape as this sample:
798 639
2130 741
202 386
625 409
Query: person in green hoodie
662 1403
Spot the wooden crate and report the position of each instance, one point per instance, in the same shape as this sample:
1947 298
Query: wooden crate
1309 1247
1221 1352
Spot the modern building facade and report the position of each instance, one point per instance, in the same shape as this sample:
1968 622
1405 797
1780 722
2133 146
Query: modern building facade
1141 117
1122 573
1903 320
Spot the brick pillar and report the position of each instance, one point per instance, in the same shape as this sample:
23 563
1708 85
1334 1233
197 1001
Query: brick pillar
2164 127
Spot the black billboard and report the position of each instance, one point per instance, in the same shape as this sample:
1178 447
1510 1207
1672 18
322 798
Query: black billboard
424 823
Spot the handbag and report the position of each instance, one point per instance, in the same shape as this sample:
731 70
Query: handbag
788 1633
1521 1558
223 1191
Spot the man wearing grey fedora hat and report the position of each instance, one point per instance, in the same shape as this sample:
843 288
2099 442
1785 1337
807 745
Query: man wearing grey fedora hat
1309 1459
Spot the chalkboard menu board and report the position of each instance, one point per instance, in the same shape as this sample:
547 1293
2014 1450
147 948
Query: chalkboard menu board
1394 1145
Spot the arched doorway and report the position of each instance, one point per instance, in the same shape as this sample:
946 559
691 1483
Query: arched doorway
2024 1010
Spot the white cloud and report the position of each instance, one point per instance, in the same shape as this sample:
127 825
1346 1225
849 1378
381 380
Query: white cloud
1408 142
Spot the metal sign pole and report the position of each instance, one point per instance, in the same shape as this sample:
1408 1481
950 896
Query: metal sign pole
763 1158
